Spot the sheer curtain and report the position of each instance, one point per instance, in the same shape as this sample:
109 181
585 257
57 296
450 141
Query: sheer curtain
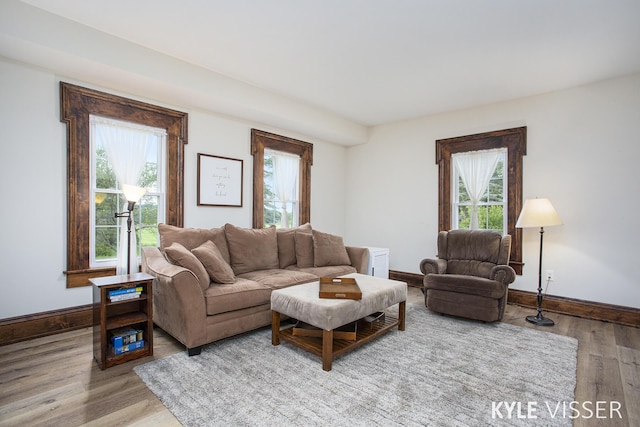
475 169
127 147
286 168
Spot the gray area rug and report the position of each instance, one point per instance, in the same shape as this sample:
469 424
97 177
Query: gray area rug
441 371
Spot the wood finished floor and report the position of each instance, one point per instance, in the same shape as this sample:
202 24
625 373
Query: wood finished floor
53 381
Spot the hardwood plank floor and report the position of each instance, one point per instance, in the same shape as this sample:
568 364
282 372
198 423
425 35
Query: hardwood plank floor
54 381
607 369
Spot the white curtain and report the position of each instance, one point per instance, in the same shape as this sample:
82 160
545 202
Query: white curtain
286 168
475 169
127 147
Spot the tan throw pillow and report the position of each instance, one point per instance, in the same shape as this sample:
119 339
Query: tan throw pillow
192 237
287 244
218 269
329 249
252 249
304 249
179 255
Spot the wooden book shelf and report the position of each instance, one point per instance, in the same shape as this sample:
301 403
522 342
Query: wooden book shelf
111 315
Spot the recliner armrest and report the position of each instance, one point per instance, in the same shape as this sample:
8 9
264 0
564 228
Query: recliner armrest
503 274
433 266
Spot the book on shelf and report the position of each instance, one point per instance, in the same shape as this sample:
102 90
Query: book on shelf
136 345
125 297
125 335
124 291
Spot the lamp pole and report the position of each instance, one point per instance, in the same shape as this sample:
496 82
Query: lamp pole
129 216
538 213
132 193
539 319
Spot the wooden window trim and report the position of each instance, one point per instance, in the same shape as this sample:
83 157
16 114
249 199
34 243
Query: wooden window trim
515 140
261 140
76 105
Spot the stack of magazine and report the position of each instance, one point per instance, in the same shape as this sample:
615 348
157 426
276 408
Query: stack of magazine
126 339
123 294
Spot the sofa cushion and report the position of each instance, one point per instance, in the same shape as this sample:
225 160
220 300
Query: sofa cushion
279 278
252 249
223 298
328 271
211 258
193 237
304 248
287 244
179 255
328 249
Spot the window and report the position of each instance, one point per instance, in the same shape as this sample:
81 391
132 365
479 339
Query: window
292 206
107 194
483 173
77 104
514 142
281 189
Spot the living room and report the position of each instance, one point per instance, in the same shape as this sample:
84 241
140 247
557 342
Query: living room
375 185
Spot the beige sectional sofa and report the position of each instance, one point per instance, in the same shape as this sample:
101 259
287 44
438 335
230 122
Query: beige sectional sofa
214 283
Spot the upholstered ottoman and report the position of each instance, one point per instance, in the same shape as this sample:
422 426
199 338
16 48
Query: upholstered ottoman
302 302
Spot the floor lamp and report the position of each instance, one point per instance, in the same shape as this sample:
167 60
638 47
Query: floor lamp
132 193
538 213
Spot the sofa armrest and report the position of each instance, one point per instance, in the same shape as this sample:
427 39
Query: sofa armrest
359 258
433 266
178 301
504 274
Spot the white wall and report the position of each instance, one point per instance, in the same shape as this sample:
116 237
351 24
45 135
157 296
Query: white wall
34 36
34 177
33 213
583 150
217 135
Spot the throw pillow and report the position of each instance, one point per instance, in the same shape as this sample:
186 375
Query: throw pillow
287 244
328 249
252 249
179 255
218 269
304 249
192 237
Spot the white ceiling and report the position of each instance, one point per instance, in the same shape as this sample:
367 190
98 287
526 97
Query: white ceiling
380 61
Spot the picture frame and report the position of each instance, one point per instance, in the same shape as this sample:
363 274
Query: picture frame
220 181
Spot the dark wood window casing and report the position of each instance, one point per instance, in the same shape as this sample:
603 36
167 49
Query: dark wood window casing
515 141
76 105
261 140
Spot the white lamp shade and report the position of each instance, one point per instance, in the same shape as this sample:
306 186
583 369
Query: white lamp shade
133 193
538 213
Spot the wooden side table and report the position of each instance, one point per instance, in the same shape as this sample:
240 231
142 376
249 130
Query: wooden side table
111 314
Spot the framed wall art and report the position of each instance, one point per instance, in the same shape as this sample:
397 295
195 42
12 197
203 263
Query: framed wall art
219 181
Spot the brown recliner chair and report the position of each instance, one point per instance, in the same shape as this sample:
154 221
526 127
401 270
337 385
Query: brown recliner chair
471 276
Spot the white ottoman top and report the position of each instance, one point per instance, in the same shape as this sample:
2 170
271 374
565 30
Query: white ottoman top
302 302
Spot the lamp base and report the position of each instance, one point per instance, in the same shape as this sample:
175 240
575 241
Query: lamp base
540 320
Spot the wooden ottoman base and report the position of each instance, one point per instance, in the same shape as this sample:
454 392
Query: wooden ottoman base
303 303
328 348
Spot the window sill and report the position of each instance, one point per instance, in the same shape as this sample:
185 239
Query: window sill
80 278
